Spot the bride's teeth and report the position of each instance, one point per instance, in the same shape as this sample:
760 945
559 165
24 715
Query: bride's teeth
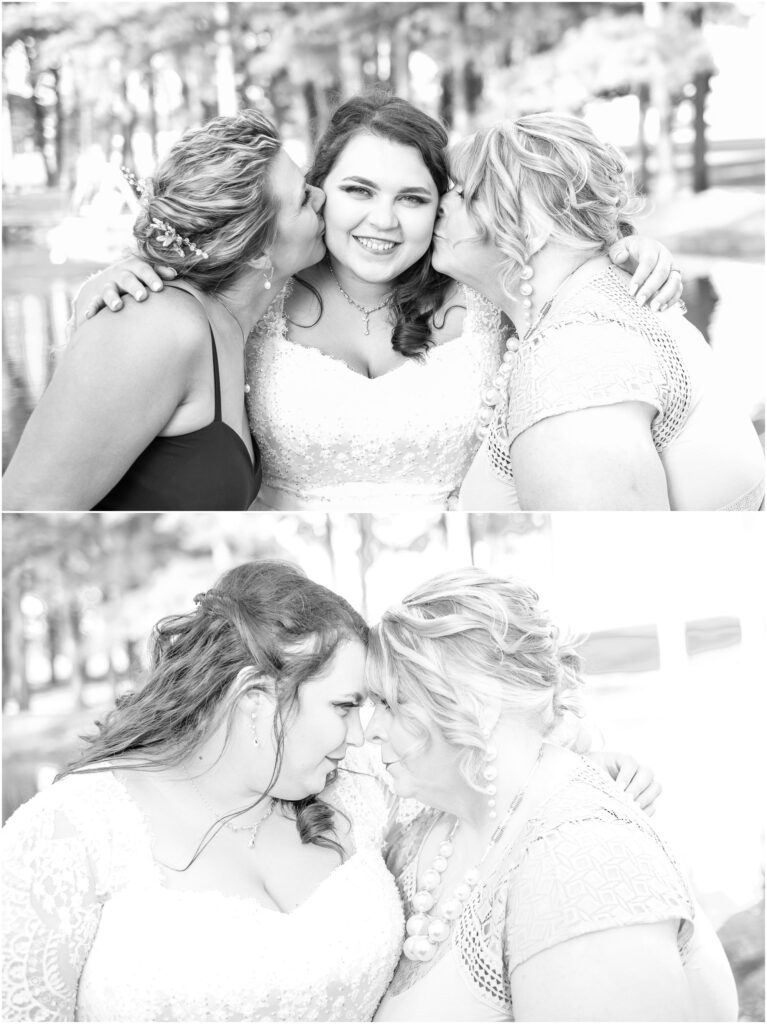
375 245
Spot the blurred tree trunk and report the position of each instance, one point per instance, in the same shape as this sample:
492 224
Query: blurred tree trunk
151 92
312 111
59 126
399 58
643 174
38 114
15 683
459 72
226 89
349 65
367 555
77 654
702 84
53 622
664 184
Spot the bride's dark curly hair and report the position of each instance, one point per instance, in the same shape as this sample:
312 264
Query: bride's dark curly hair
264 617
420 290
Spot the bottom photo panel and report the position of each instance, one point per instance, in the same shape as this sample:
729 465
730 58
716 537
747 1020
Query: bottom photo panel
355 767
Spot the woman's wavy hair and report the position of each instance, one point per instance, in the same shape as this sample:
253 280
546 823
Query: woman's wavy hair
544 177
264 625
213 188
420 290
464 647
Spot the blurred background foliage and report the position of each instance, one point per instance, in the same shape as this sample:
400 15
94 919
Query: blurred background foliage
671 611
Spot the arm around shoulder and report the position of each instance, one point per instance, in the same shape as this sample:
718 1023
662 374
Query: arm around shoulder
116 387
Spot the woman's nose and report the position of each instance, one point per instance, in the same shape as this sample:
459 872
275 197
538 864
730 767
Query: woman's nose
383 214
375 731
355 734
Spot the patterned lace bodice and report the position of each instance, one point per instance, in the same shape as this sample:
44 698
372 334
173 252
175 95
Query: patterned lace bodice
586 861
91 932
333 438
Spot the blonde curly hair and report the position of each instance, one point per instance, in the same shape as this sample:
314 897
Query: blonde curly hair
544 177
213 189
467 641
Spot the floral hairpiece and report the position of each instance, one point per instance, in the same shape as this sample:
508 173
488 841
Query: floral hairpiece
166 233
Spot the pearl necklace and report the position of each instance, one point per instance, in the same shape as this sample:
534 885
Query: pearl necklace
366 313
500 385
430 925
253 829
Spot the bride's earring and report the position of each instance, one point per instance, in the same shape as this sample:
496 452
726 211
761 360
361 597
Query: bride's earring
254 727
268 275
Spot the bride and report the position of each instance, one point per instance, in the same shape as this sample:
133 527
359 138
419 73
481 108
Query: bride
366 376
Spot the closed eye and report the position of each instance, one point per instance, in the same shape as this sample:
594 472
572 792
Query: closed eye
307 196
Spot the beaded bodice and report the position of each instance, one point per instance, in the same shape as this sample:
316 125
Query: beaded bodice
95 935
333 438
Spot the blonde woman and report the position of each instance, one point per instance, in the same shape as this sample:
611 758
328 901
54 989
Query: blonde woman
533 888
600 403
146 411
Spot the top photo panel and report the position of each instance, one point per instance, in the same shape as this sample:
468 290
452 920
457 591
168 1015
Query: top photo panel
383 257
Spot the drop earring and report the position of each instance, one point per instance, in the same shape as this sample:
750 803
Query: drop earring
254 728
526 291
268 275
490 773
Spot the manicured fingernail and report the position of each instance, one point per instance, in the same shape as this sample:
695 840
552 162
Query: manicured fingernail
632 288
641 299
173 272
115 305
655 305
156 287
89 314
140 295
621 256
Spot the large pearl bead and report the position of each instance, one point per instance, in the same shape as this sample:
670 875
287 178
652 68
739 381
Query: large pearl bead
462 892
491 790
423 902
446 849
491 752
424 948
492 396
525 289
471 877
418 924
409 947
438 930
526 272
451 910
482 430
439 864
431 879
485 415
490 773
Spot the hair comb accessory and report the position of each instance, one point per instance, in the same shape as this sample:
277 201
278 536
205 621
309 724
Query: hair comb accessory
199 598
167 235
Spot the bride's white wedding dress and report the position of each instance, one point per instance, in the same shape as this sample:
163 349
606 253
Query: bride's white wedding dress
331 438
92 933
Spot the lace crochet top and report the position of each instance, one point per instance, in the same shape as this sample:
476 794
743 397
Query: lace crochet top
597 348
588 860
91 933
333 438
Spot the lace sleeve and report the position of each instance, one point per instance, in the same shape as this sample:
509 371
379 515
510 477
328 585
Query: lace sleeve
50 910
580 366
587 876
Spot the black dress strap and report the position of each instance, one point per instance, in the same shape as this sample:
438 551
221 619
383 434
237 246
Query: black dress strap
216 378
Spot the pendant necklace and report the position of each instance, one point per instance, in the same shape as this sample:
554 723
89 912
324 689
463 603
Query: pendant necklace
253 829
366 313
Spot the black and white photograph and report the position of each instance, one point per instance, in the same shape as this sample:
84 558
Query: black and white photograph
347 348
352 767
384 257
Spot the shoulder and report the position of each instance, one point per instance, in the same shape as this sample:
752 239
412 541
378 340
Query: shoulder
79 805
170 330
589 862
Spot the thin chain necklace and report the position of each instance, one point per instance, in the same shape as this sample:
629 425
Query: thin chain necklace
253 829
430 925
366 313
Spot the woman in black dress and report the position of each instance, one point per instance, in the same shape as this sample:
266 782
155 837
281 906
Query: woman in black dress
160 423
